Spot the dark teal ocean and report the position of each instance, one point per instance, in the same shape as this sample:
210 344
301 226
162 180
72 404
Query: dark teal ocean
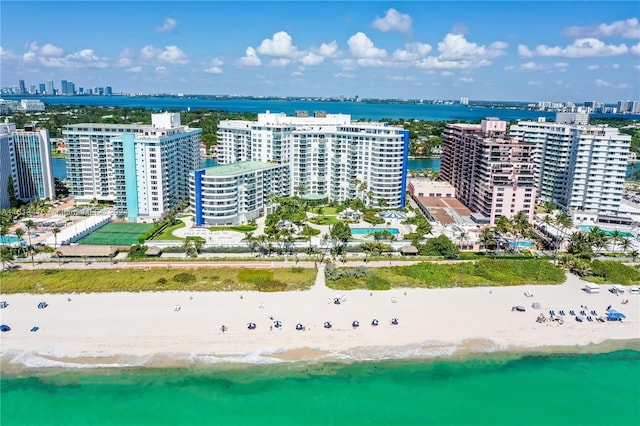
493 389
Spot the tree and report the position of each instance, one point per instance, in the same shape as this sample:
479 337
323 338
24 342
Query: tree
341 232
382 203
19 233
616 237
55 231
11 192
580 245
30 227
488 238
625 245
439 246
5 256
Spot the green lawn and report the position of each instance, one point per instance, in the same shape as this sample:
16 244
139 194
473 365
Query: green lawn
167 234
156 279
324 220
325 210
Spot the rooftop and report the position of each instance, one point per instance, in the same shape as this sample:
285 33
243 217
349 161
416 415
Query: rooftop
240 168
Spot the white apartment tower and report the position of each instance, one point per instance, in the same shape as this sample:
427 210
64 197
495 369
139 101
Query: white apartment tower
143 170
328 154
579 166
25 157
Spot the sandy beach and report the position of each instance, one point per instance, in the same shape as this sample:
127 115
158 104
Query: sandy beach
123 329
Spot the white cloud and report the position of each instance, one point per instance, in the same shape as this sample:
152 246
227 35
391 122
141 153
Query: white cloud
593 67
161 69
635 49
281 45
466 79
436 63
602 83
534 83
6 55
214 66
524 51
533 66
455 46
311 59
362 47
51 50
135 69
412 52
296 74
393 21
615 66
250 59
581 48
279 62
169 55
343 75
629 28
446 73
328 49
168 25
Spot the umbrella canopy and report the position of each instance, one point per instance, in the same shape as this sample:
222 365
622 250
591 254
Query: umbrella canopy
613 315
392 214
4 327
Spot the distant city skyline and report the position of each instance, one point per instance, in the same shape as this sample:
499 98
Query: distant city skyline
511 51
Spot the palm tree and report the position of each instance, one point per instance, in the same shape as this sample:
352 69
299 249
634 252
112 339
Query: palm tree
625 244
250 239
488 238
30 226
616 237
564 222
19 233
5 256
462 238
55 231
59 256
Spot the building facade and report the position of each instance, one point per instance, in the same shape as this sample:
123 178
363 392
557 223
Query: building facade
143 170
493 176
328 154
235 193
25 158
578 166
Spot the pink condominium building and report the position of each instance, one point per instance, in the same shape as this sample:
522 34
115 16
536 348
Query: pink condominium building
493 175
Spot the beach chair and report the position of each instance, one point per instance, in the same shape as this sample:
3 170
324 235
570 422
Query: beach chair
589 319
573 313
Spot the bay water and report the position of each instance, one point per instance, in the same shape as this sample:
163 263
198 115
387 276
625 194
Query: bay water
489 389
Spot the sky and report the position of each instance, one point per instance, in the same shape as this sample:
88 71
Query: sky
554 51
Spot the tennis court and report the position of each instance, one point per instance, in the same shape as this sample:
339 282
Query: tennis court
117 234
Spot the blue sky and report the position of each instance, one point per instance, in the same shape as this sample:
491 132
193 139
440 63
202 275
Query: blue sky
504 50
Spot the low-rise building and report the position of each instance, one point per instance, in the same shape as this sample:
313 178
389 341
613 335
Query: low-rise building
235 193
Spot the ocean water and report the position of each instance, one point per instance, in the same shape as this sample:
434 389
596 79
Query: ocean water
495 389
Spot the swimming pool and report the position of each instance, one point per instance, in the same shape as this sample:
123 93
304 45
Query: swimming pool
521 244
587 228
8 239
369 231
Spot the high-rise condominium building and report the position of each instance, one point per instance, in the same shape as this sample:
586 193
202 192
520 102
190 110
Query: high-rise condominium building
143 170
578 166
493 176
328 155
25 157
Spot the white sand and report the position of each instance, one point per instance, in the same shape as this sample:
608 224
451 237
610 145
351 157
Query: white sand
144 328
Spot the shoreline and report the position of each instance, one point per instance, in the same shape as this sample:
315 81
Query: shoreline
290 359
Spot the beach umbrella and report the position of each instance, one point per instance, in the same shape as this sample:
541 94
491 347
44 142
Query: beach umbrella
251 326
374 322
299 326
394 321
277 324
355 324
4 327
327 324
392 214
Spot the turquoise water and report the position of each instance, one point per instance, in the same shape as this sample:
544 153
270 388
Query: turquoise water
495 389
587 228
524 244
8 239
368 231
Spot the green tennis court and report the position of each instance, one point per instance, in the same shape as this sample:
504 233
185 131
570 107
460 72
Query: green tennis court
117 234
